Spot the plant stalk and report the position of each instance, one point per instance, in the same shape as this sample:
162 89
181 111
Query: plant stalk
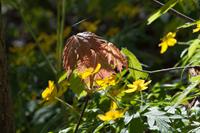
82 113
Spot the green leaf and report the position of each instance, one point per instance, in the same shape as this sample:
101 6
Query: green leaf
128 117
76 84
182 96
162 10
158 120
187 25
134 63
67 130
62 77
195 79
99 127
136 126
192 49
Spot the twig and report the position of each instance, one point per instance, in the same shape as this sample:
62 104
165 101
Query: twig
163 70
175 12
83 111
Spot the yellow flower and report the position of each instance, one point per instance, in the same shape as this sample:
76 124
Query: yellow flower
112 114
138 85
168 40
89 71
197 28
108 81
50 92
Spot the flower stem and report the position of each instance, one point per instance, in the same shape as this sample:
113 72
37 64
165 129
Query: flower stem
83 111
141 96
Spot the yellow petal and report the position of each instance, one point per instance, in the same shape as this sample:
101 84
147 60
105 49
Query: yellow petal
138 82
147 83
111 115
97 68
86 73
103 117
171 42
131 86
50 92
164 47
171 35
113 106
130 90
144 88
196 29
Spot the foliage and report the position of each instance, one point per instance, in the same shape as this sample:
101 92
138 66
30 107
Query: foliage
129 97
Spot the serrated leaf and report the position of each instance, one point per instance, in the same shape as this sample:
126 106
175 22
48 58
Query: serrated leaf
134 63
128 117
158 120
162 10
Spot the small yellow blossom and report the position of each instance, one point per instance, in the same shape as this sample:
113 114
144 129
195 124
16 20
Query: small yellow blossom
108 81
197 28
138 85
112 114
167 41
50 92
89 71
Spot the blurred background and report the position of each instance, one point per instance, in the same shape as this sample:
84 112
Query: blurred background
36 31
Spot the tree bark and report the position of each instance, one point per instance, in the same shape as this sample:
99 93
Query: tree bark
6 112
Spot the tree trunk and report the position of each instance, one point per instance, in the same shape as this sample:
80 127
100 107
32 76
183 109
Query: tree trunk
6 112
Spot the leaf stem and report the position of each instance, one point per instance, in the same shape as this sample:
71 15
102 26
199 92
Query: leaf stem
83 111
141 96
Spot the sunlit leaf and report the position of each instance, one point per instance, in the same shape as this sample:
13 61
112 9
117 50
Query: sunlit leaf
134 64
192 49
162 10
75 84
62 77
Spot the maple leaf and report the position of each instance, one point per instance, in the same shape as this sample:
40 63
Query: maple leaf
86 50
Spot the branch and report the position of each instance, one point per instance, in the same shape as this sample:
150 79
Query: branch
163 70
175 12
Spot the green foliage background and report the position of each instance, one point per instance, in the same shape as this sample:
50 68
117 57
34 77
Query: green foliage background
36 31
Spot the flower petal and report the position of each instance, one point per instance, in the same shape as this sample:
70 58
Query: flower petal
164 47
171 42
130 90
